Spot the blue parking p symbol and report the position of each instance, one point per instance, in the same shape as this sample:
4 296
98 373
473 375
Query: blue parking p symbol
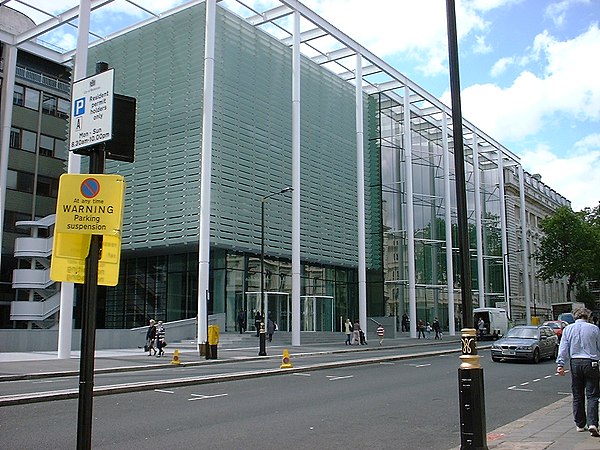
79 107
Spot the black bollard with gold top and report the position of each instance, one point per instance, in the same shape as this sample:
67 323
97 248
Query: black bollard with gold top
471 394
262 351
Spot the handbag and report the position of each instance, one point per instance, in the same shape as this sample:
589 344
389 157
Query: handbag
163 344
146 347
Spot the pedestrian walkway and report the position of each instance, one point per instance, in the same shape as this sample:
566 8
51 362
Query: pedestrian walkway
551 427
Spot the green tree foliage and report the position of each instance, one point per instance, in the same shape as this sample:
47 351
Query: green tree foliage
570 247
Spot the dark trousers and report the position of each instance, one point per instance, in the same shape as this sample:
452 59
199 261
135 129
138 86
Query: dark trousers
585 385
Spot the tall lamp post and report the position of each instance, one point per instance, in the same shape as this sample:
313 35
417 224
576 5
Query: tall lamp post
262 350
506 273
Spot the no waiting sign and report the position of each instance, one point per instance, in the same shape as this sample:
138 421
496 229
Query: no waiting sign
92 110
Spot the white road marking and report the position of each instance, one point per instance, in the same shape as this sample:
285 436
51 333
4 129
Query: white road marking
524 384
387 363
514 388
164 391
536 380
548 376
204 397
422 365
300 374
334 378
44 381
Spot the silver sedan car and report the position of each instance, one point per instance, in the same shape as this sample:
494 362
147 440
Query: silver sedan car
526 342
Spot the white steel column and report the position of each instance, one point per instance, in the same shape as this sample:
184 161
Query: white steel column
67 290
448 218
296 182
360 194
410 226
8 89
478 222
505 267
206 155
526 292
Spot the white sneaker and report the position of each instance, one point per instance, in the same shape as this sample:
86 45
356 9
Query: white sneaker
593 429
580 429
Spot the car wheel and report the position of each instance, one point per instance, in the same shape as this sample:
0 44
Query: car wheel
536 356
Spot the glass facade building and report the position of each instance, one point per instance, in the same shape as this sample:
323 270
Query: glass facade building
372 165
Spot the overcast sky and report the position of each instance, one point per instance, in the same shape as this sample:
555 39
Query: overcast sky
529 70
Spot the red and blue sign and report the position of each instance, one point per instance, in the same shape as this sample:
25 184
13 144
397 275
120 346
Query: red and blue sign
90 187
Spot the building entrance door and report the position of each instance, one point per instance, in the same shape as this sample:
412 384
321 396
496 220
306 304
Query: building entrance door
316 313
277 305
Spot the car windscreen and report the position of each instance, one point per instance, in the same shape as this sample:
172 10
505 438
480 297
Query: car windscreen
531 333
552 325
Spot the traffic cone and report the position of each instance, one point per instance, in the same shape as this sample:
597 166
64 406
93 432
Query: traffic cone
175 359
286 363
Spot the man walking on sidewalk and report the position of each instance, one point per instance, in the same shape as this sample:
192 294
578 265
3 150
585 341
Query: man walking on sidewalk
580 343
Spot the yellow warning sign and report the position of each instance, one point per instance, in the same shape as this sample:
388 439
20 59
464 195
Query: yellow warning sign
90 204
69 254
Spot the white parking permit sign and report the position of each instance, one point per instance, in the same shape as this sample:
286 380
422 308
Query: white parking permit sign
91 110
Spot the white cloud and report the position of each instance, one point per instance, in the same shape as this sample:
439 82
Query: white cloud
481 46
558 11
576 176
501 65
568 86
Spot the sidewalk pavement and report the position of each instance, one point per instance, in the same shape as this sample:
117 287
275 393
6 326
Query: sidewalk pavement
549 428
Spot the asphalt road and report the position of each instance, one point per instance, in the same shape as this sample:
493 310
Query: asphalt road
406 404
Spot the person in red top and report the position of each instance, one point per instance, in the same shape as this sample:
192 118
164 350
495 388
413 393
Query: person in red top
380 333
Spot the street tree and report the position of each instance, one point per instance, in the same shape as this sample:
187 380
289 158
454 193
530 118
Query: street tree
570 247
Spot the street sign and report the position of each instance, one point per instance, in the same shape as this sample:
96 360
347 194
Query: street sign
90 204
69 254
92 110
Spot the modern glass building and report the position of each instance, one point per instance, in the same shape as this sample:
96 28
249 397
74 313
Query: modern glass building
236 105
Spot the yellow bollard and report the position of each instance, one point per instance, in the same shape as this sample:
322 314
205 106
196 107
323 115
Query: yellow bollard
286 363
175 359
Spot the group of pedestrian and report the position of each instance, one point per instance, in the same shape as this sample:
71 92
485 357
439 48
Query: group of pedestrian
155 339
354 333
424 328
580 349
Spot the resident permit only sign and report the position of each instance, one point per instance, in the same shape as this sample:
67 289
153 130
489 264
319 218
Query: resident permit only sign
92 110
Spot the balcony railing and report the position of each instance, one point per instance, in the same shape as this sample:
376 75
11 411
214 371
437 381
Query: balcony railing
40 78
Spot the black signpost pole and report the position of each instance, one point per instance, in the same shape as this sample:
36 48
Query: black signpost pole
88 323
470 373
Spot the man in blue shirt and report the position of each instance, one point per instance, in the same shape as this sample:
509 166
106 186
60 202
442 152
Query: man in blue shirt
580 343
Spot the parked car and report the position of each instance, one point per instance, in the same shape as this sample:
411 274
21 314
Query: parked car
557 326
526 342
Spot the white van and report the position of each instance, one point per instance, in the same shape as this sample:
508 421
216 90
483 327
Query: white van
495 320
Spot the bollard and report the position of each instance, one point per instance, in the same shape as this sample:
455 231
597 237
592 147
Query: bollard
286 362
262 341
471 395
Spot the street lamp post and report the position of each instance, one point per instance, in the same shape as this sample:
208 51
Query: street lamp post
262 349
506 273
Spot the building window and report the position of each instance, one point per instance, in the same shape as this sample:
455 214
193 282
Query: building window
46 145
11 180
49 105
28 141
63 108
19 95
32 98
47 187
12 217
15 138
